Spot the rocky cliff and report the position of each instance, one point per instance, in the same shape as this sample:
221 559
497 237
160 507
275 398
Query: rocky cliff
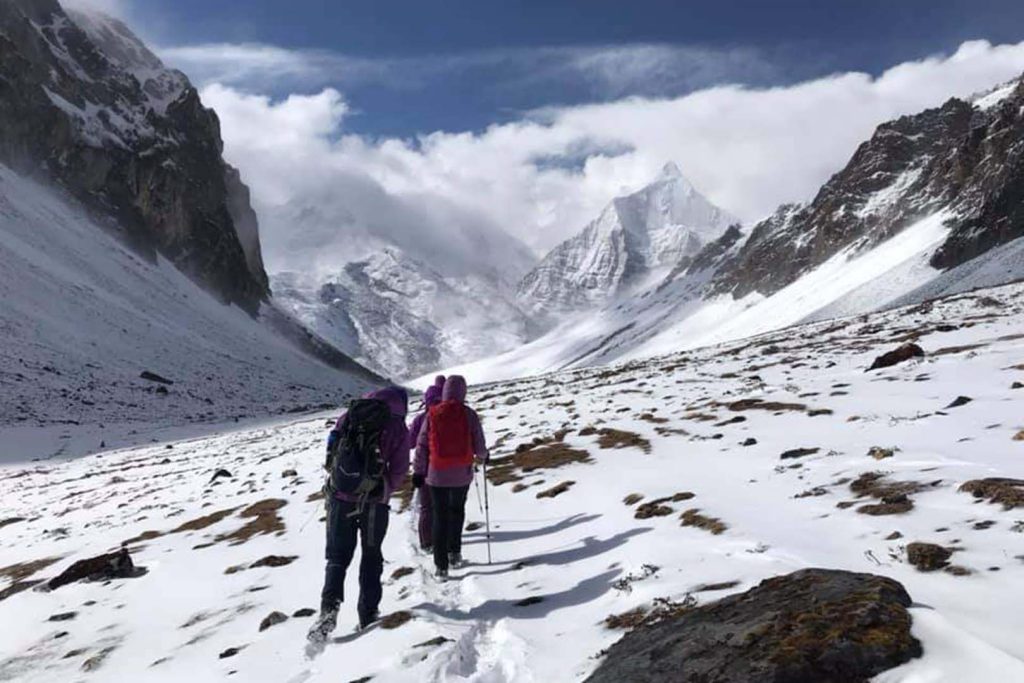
84 103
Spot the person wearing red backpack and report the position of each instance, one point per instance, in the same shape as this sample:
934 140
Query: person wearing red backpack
449 442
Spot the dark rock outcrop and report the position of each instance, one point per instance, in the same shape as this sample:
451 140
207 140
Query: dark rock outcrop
812 625
273 619
928 557
84 103
116 565
897 355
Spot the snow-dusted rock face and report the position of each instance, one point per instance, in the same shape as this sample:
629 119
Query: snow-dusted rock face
85 103
965 158
403 317
663 225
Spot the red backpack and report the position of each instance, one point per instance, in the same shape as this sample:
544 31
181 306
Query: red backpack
450 442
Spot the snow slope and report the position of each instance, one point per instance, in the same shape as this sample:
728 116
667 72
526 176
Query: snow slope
678 315
561 564
81 317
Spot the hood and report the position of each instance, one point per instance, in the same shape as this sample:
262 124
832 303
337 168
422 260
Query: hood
396 397
454 389
439 381
432 395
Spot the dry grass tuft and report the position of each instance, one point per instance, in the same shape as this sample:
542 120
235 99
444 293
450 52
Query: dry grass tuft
693 518
264 520
556 490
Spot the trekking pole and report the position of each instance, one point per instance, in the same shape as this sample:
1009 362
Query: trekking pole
479 500
487 514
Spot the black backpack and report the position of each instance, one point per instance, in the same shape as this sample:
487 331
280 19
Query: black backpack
356 465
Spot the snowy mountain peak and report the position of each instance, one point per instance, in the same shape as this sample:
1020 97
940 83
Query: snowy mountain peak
634 238
670 171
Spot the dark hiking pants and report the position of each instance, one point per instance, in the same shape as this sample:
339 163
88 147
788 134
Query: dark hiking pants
344 532
449 517
425 524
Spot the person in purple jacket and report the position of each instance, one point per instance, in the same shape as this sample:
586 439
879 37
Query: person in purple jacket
447 445
351 519
431 397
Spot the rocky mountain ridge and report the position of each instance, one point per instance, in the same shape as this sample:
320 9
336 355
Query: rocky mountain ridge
964 157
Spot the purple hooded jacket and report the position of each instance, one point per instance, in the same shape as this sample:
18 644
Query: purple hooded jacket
394 442
431 397
454 390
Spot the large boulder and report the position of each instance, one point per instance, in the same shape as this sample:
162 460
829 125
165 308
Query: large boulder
115 565
814 625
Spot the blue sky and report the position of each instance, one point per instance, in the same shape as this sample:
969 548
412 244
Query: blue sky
413 66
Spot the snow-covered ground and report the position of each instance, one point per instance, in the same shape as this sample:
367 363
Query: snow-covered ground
82 317
561 564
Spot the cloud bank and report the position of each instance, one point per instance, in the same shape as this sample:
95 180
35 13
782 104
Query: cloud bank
542 177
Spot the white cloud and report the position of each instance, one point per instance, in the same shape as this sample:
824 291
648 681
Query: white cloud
747 149
607 71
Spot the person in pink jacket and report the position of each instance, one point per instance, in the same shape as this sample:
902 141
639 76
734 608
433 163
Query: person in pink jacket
448 443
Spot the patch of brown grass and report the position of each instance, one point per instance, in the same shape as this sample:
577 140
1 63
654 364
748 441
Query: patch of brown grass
761 404
545 456
401 572
274 561
633 498
710 587
395 620
23 570
628 620
946 350
662 609
620 438
197 524
1007 492
556 490
693 518
263 520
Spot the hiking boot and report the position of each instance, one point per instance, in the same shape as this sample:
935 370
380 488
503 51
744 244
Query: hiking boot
324 625
455 560
441 574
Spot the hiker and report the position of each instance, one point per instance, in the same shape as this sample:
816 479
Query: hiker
367 458
431 397
449 440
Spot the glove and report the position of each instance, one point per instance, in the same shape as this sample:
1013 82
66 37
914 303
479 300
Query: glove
417 481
